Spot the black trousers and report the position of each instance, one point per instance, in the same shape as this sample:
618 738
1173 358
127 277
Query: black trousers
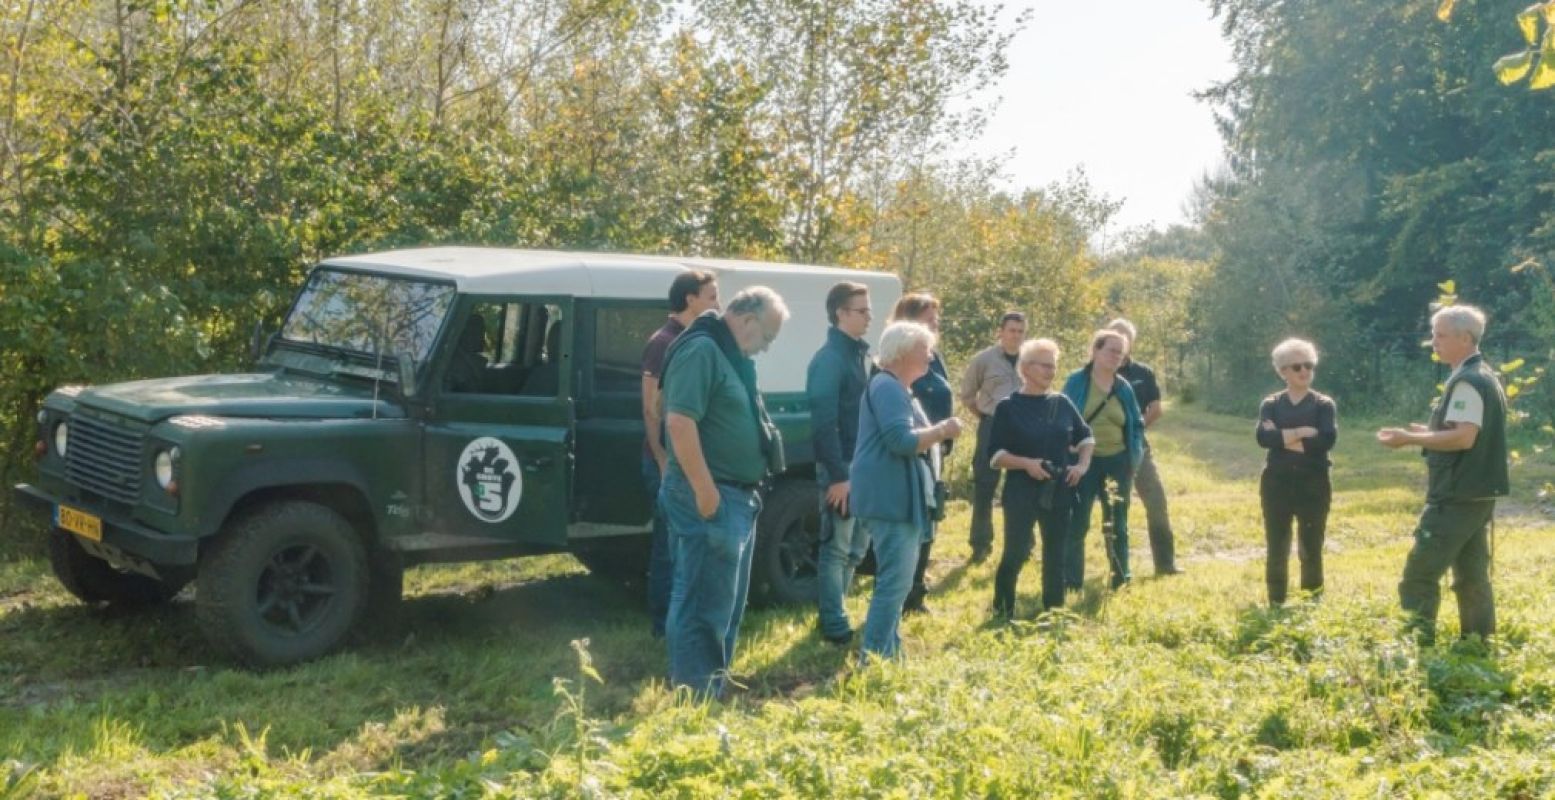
1302 495
1022 514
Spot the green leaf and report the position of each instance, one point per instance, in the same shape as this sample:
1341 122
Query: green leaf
1513 68
1512 366
1528 22
1448 286
1544 73
1513 391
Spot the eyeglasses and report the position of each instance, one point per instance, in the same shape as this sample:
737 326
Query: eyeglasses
1301 365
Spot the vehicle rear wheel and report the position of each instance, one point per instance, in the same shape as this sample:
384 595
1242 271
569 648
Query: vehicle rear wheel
94 580
788 545
283 584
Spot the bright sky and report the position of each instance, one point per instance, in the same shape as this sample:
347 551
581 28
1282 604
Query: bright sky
1107 86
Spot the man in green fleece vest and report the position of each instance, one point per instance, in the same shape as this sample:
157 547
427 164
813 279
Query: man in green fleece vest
1466 463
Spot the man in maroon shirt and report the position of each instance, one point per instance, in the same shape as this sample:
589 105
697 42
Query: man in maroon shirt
691 293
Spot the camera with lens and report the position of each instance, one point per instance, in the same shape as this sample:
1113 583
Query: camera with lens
1052 491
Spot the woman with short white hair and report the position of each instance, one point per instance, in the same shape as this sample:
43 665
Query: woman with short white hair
1044 446
1298 427
894 475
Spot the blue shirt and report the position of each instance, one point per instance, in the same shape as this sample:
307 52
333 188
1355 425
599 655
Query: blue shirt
887 480
834 383
933 391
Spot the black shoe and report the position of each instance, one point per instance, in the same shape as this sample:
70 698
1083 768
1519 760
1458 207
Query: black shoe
1119 583
918 607
981 554
838 639
1172 570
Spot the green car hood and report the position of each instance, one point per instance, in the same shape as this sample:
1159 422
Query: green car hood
265 395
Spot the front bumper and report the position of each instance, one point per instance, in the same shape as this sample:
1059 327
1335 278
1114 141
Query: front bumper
130 541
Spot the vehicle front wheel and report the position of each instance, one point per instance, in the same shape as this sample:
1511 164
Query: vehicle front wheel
283 583
788 545
94 580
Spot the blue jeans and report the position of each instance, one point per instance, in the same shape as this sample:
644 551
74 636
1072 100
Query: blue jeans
712 577
1120 470
896 556
843 544
660 563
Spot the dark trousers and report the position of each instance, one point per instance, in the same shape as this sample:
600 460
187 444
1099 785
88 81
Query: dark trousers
1022 513
1115 539
985 482
1302 495
1147 482
1455 536
920 586
661 564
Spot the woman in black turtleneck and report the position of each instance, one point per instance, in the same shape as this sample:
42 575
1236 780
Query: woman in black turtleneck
1298 427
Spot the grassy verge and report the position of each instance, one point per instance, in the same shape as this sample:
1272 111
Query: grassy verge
1177 687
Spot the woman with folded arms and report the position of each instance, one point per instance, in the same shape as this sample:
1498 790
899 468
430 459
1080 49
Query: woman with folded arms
1298 427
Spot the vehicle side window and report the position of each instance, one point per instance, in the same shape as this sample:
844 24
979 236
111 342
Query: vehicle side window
507 349
619 337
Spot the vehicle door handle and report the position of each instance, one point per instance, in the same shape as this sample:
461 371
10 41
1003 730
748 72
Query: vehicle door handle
538 464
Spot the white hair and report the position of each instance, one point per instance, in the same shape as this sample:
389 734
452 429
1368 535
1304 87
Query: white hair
1038 345
1293 351
1462 319
901 337
1124 327
757 300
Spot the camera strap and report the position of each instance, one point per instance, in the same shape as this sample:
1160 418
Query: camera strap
1105 400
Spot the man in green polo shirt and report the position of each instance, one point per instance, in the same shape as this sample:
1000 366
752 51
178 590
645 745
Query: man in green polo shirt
1466 464
721 445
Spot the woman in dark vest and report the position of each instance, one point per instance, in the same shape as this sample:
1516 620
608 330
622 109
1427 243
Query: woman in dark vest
1298 427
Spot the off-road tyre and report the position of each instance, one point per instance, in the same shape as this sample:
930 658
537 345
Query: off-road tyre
788 545
95 581
282 584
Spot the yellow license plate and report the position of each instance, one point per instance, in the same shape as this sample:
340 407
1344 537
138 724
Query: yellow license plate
80 522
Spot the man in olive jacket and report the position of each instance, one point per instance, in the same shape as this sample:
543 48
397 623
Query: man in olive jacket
1466 463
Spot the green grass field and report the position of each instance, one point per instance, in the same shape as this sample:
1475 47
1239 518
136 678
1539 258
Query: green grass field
1179 687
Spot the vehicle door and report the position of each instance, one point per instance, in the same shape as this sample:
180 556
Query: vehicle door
499 433
612 334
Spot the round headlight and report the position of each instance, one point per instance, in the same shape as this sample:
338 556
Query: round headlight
164 467
61 438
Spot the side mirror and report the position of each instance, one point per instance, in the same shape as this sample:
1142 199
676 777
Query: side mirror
407 368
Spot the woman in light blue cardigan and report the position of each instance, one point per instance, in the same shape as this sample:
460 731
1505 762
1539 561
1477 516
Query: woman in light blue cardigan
1107 403
895 465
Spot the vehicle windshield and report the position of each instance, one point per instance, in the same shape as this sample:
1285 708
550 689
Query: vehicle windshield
369 315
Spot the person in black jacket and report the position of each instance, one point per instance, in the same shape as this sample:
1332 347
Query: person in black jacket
1298 427
1044 446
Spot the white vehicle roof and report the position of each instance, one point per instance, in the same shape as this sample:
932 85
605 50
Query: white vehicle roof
496 271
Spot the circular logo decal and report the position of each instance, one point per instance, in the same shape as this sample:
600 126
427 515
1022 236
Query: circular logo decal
488 478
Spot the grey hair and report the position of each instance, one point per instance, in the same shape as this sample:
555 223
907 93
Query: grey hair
1292 351
901 337
757 300
1462 319
1124 327
1034 345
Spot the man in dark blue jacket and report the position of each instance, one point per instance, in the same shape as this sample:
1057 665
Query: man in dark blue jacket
834 383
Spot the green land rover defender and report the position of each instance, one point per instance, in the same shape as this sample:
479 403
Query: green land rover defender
417 406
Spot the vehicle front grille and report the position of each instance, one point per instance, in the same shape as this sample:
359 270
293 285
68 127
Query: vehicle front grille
105 457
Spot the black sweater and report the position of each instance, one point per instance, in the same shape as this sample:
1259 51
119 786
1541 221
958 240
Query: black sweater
1316 410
